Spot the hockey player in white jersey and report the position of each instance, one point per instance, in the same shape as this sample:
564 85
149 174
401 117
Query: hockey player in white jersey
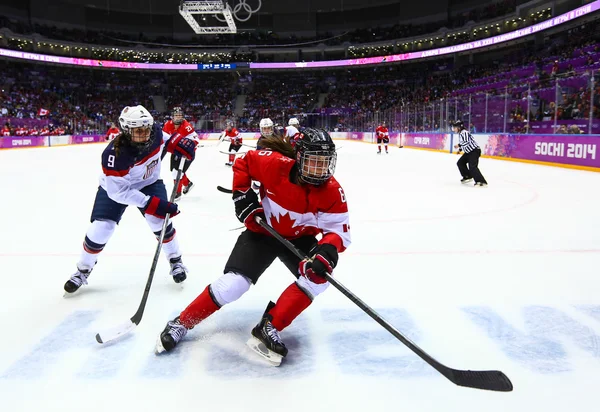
131 166
292 131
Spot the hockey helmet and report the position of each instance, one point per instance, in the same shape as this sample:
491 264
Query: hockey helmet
136 122
315 156
266 127
177 115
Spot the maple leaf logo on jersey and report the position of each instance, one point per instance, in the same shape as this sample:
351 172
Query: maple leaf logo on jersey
286 159
282 223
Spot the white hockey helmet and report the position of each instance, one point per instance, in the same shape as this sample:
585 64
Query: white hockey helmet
293 122
135 116
266 127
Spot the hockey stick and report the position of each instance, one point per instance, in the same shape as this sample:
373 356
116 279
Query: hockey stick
232 153
489 380
224 190
118 331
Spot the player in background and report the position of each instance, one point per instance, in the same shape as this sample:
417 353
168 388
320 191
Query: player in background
267 129
382 136
235 139
6 131
178 124
292 131
131 177
300 199
112 132
471 155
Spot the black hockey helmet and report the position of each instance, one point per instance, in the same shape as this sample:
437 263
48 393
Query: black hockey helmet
315 156
459 124
177 115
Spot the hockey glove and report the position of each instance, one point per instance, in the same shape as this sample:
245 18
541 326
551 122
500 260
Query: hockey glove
247 207
182 145
323 260
159 207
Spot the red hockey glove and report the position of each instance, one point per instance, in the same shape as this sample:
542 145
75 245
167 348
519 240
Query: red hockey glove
324 259
159 207
182 145
247 207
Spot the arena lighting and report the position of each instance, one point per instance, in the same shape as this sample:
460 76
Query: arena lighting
187 9
527 31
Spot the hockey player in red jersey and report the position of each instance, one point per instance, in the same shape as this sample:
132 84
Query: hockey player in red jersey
131 177
112 132
178 124
300 199
235 139
382 136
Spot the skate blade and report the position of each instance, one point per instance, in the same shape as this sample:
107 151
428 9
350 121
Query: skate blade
466 181
67 295
159 348
257 346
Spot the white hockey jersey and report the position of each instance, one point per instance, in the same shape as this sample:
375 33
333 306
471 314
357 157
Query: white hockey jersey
125 173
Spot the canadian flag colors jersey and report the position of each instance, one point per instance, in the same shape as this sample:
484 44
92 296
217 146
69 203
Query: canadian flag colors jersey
234 136
112 133
294 210
382 132
185 129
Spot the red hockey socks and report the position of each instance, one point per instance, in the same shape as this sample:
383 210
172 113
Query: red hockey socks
231 158
379 147
201 308
185 180
290 304
385 148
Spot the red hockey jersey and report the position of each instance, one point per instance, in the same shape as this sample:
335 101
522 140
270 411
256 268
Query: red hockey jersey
294 210
382 132
185 129
234 136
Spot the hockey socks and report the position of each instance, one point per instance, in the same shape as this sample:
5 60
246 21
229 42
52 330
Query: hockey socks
231 158
201 308
184 181
290 304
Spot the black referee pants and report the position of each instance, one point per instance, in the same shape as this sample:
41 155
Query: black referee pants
472 172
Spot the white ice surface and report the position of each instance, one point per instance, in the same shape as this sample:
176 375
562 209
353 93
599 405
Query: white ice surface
504 278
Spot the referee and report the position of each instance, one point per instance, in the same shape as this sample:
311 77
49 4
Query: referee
471 155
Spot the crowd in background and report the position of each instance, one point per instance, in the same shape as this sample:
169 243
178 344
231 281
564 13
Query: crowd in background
87 100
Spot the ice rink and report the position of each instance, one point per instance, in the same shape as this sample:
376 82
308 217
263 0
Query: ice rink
504 277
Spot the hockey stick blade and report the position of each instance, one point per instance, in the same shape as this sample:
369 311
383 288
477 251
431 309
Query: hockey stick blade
112 334
224 190
487 380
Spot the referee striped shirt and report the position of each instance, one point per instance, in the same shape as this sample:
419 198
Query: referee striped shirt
466 141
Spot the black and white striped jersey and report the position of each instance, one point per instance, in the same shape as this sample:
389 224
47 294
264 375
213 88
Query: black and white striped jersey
466 142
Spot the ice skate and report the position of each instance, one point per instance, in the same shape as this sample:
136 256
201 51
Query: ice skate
177 197
77 280
266 341
178 270
187 188
480 184
466 180
170 336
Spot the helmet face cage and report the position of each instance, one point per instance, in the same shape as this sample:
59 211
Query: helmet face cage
177 115
137 122
316 166
266 127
